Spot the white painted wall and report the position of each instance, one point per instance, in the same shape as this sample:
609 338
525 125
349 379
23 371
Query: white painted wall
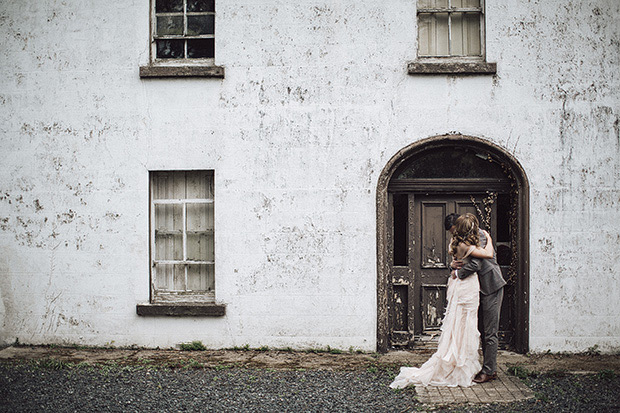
315 101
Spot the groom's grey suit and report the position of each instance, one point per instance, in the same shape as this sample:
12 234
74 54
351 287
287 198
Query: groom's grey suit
491 296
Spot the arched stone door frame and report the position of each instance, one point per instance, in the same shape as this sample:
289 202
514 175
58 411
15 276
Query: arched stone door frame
383 265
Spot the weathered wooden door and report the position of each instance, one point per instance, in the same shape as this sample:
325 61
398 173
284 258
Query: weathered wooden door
420 260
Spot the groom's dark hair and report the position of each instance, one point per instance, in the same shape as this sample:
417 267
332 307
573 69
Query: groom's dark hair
450 220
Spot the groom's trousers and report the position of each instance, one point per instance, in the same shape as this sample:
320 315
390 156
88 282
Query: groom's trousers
488 324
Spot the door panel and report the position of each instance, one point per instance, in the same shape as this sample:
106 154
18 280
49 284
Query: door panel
401 309
433 248
419 260
430 263
433 300
432 259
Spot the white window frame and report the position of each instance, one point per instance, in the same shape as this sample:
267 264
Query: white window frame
450 10
185 61
162 296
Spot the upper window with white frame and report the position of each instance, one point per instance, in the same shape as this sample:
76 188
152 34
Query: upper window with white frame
451 29
182 236
183 31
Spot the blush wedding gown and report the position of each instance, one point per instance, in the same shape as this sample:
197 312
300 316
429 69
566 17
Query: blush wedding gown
456 361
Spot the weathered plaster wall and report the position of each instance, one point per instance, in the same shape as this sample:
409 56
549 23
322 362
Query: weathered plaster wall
315 101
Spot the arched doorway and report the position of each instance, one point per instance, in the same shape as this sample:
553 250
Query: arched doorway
418 187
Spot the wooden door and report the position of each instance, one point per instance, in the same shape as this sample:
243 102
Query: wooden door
420 260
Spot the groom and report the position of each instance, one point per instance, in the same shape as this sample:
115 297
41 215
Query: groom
491 295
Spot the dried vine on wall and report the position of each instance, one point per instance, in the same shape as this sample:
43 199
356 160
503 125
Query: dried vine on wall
485 218
512 216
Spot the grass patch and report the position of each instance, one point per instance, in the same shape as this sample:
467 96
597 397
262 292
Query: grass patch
192 364
606 374
593 351
52 364
333 350
195 345
245 347
521 372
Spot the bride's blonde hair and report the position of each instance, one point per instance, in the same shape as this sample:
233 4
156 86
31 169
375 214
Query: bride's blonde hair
465 231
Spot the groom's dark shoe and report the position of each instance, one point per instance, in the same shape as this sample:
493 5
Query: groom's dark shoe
483 378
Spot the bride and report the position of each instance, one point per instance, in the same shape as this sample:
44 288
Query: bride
455 363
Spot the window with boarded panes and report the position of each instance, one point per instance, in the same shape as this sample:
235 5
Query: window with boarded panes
182 236
184 29
450 28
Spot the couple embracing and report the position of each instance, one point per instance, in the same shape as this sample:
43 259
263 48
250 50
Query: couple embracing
475 281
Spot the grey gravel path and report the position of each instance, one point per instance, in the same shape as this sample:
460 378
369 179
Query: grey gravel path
29 387
24 388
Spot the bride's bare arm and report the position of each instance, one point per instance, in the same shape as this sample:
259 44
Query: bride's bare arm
487 251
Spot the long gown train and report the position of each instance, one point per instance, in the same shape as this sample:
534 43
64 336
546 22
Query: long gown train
456 361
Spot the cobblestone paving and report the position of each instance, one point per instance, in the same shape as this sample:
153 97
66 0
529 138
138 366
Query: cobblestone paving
506 389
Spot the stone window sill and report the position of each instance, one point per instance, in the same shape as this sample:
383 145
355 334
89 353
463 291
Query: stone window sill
451 68
152 71
182 309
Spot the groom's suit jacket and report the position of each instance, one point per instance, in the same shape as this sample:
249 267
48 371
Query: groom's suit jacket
489 273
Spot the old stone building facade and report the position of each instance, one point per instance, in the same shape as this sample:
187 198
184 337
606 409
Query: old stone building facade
274 173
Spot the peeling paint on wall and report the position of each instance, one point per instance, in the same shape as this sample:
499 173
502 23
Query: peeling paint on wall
315 101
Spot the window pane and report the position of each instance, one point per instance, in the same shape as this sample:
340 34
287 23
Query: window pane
169 185
465 3
200 277
457 35
200 246
170 49
433 34
168 232
168 217
168 6
203 24
200 217
469 3
178 278
472 28
465 34
432 4
199 184
169 25
425 48
168 246
200 5
200 232
169 276
201 48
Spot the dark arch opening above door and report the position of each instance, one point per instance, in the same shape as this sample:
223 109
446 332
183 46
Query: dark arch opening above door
452 161
418 186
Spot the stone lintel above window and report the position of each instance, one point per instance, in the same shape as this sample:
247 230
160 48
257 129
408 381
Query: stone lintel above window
451 67
182 309
153 71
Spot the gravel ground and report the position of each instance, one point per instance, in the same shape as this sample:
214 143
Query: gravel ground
116 389
59 388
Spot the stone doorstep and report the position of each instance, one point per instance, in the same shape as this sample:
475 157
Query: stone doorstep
503 390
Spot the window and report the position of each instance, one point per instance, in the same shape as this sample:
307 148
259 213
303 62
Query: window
184 29
451 37
449 28
182 39
182 237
